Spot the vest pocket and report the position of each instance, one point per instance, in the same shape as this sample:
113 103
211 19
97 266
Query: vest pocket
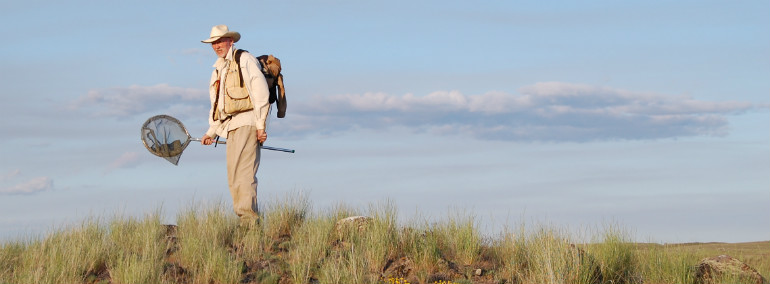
233 106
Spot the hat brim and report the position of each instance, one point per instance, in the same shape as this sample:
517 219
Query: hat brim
236 36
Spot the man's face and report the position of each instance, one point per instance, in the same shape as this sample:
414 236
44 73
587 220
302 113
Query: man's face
222 45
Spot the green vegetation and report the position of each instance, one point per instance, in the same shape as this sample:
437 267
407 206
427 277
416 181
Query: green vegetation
293 244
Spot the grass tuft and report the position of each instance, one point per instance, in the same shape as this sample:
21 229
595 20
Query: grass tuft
205 239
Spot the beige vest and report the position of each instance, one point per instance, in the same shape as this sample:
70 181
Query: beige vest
236 95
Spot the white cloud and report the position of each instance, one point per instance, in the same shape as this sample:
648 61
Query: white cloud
383 102
546 111
549 111
31 186
132 100
127 160
10 175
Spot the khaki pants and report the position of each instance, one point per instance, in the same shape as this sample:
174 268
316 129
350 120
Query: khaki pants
242 164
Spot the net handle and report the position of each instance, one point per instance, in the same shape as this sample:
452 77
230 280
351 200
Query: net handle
263 147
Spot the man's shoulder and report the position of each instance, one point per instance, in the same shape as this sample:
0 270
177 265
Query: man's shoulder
242 54
247 61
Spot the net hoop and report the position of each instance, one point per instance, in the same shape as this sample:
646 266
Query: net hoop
165 136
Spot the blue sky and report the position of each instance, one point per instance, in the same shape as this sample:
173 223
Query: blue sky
650 114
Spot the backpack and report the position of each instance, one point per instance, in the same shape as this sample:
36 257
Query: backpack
271 68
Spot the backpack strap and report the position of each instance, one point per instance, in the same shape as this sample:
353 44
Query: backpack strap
237 55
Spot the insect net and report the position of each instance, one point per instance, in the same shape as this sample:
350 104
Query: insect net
166 137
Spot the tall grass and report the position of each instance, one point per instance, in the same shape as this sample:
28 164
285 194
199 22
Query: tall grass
461 237
308 248
136 250
126 250
293 244
378 241
205 239
617 256
64 256
358 252
284 214
545 256
423 247
660 264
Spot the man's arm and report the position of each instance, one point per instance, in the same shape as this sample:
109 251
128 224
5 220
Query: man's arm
258 92
213 125
255 82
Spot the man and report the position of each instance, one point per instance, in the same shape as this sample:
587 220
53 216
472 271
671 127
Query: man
239 107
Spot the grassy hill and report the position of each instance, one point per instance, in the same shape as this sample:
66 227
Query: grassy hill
294 245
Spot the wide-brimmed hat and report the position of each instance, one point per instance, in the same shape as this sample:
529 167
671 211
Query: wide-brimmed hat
220 31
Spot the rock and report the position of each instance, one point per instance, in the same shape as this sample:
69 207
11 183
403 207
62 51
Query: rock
478 272
351 224
399 268
359 222
713 269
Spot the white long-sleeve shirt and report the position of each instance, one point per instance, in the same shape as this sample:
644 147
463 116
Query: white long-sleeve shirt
255 83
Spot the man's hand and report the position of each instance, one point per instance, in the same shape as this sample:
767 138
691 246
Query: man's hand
206 140
261 136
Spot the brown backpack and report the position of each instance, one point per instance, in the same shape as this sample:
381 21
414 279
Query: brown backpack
271 68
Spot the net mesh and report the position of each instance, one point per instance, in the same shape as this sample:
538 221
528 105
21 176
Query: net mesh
165 137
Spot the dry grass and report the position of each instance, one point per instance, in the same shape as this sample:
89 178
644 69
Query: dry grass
293 244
